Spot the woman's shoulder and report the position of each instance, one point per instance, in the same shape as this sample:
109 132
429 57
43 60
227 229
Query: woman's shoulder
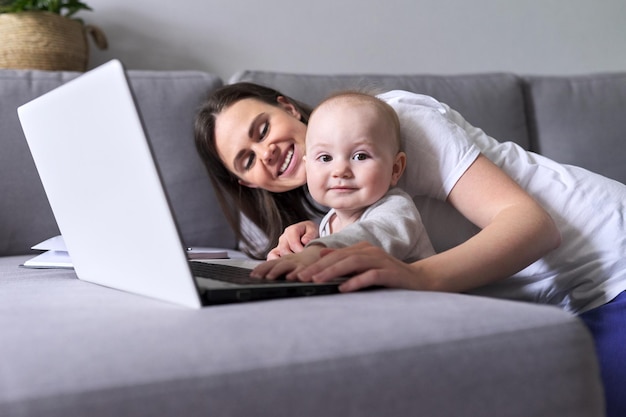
438 148
402 98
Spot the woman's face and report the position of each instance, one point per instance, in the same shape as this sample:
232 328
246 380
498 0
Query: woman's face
262 144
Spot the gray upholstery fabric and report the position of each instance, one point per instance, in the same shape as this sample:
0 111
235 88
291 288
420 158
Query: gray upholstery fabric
167 101
493 102
71 348
581 120
25 216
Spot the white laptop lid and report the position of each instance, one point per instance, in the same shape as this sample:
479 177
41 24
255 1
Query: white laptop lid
99 174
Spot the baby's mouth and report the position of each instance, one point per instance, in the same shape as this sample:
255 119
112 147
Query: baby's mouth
286 162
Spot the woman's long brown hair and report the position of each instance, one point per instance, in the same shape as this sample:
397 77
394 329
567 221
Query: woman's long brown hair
270 212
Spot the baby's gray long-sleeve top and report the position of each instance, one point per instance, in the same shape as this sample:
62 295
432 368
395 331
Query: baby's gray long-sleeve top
392 223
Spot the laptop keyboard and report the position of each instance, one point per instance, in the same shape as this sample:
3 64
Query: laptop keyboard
228 273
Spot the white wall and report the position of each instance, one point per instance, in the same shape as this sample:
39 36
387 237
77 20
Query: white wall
365 36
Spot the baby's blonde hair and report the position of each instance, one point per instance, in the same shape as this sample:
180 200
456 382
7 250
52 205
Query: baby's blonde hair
385 110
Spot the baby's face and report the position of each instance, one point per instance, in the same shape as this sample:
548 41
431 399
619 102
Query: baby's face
350 156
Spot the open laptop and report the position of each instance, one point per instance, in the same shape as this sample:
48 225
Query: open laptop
103 184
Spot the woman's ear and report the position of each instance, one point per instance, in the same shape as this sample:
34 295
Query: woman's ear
398 168
247 184
289 107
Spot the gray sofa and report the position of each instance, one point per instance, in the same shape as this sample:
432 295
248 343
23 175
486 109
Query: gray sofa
71 348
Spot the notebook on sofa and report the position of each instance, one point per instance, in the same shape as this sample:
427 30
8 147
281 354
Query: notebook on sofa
103 184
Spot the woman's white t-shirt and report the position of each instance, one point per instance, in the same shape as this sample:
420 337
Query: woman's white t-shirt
589 267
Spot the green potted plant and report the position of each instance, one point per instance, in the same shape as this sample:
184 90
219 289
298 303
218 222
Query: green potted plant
45 35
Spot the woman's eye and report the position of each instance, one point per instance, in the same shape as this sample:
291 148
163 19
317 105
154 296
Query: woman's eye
249 161
263 130
360 156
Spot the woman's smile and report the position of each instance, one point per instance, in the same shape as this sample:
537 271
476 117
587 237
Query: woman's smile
286 161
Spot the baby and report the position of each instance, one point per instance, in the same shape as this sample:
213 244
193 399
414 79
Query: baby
353 162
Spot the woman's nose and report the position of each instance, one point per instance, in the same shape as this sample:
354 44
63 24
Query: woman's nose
268 153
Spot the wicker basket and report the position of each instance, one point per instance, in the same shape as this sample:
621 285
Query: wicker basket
45 41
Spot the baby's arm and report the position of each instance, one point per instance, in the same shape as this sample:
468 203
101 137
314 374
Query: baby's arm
393 224
294 238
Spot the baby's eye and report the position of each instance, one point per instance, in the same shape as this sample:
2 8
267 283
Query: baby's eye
324 158
360 156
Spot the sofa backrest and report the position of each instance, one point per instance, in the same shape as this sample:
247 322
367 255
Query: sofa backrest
572 119
493 102
580 120
167 101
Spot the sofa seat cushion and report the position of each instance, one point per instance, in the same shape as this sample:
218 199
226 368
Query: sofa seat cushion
72 348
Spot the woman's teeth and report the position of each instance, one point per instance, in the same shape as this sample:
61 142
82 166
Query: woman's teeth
285 164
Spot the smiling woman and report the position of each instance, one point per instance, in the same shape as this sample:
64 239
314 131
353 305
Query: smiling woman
267 126
253 130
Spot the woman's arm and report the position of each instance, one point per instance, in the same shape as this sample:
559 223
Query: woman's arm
516 231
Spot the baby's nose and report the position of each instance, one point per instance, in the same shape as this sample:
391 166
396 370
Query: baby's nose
342 170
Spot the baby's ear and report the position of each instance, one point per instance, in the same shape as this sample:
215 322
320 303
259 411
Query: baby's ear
399 165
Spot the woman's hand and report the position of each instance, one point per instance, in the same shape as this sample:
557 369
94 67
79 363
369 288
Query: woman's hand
294 238
367 265
288 265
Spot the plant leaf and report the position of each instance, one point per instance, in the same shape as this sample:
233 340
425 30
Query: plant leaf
61 7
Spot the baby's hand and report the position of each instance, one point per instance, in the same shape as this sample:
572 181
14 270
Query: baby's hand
288 265
294 238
